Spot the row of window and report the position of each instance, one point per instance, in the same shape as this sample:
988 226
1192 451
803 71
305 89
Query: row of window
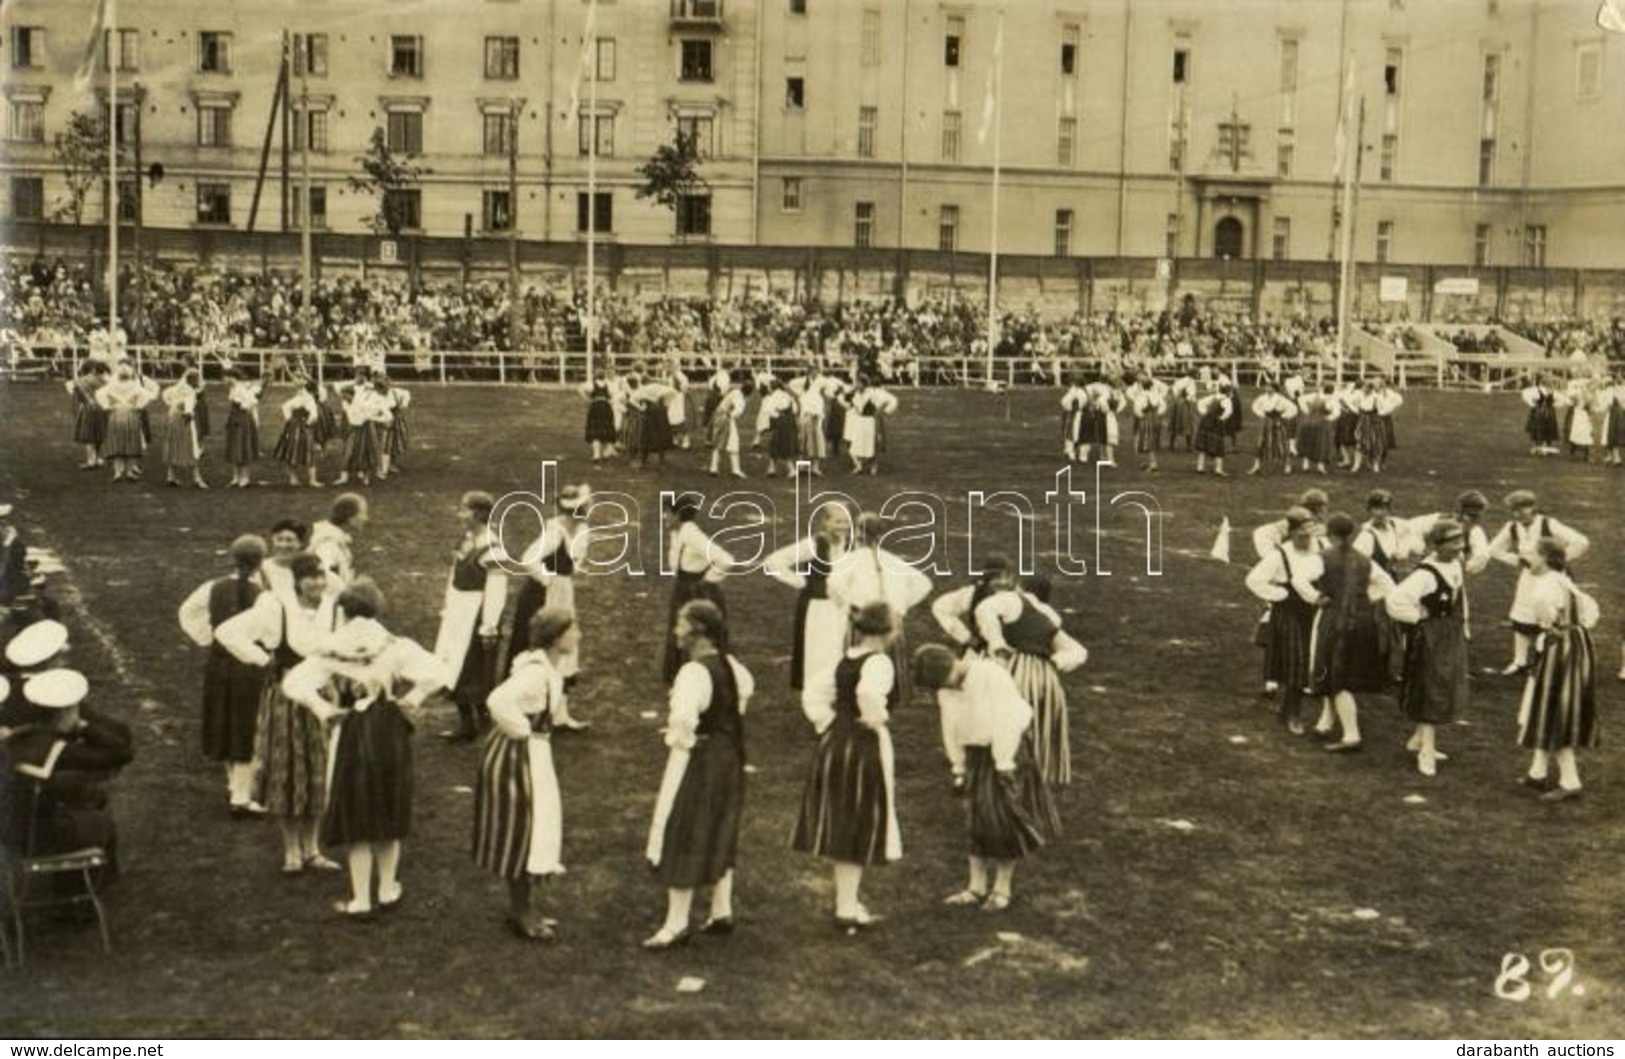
403 129
214 203
309 54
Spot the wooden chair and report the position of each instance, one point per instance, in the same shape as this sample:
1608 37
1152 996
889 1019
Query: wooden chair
26 874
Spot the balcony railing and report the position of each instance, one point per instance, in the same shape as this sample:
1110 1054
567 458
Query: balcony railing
697 13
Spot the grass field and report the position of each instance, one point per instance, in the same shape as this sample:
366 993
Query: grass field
1306 897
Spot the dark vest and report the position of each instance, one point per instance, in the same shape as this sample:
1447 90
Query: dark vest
722 717
847 672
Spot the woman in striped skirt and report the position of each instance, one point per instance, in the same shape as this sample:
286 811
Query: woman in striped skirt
1019 632
181 446
986 728
1274 411
518 815
695 832
89 418
394 431
1316 434
1558 715
296 447
1370 433
290 744
242 429
1285 578
848 809
121 401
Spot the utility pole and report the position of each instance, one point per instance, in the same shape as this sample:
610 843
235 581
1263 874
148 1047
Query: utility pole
1346 273
307 310
515 106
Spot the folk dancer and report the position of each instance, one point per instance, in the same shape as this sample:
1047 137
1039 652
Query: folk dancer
1285 579
1516 546
849 807
273 636
471 616
182 449
1348 654
1275 411
697 564
986 727
518 811
1558 714
231 689
351 681
550 564
1431 604
694 836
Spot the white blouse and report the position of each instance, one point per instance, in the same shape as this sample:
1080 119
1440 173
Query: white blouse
1270 578
692 551
531 691
986 710
875 682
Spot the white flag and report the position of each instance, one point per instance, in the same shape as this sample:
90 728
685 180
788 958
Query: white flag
990 102
584 68
1345 119
93 45
1221 543
1611 16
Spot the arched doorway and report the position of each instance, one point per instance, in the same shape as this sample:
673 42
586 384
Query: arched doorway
1227 238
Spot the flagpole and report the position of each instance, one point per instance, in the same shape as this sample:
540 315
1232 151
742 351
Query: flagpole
1345 272
590 54
112 176
993 239
306 313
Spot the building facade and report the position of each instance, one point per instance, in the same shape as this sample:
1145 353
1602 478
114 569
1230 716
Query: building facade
1489 130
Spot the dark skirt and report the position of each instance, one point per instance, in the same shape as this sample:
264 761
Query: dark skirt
121 437
1010 817
1346 431
843 808
231 706
1390 437
1561 701
180 450
242 437
655 436
296 447
326 427
1040 684
781 438
291 747
396 435
1433 681
531 598
1272 439
371 795
1350 651
1210 435
474 679
361 449
1371 436
1148 433
1317 441
686 588
89 423
1286 652
1615 437
600 422
1541 425
834 426
1181 420
702 832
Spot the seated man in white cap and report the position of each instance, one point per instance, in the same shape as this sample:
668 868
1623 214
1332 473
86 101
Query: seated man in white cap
68 752
35 648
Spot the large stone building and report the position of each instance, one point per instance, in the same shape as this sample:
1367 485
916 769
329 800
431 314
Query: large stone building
1138 128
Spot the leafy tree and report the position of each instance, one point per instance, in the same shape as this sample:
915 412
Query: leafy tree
80 151
383 174
672 173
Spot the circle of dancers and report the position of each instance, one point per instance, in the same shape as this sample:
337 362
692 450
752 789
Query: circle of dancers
1356 608
310 703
